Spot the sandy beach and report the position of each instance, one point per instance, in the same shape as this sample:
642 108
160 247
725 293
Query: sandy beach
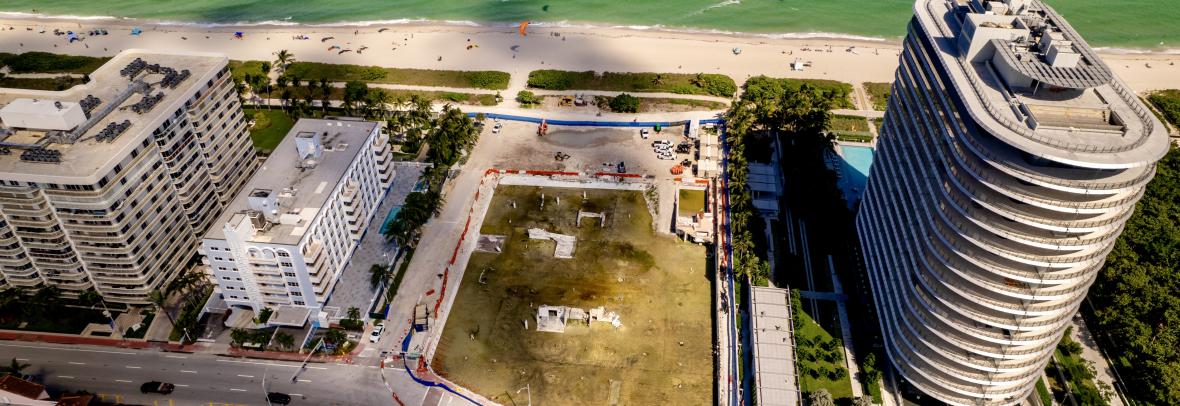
491 48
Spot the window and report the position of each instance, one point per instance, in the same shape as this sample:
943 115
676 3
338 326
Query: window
289 274
286 264
225 277
296 284
299 303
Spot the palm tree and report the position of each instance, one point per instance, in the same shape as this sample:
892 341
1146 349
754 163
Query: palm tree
239 336
326 91
284 340
89 298
821 397
378 273
378 102
265 68
15 368
284 94
284 58
158 299
335 336
354 313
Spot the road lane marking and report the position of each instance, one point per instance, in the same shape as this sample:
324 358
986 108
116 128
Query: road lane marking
304 380
77 363
237 390
65 377
22 359
175 356
267 364
296 394
245 376
181 385
133 367
40 347
122 380
183 371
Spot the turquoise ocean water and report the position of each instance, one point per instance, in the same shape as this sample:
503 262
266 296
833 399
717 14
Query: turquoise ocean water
1140 24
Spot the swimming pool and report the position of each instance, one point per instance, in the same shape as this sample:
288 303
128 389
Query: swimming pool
389 218
857 161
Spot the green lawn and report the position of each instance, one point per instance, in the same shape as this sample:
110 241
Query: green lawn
270 126
44 62
60 83
682 83
878 94
816 364
492 80
851 128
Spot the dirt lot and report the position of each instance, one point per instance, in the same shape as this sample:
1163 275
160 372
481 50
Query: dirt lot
517 146
657 284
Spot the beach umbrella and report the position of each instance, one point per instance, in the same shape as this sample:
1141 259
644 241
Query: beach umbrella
515 48
523 26
136 31
383 30
238 35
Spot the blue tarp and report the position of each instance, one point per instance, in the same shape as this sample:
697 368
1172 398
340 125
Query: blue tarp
136 31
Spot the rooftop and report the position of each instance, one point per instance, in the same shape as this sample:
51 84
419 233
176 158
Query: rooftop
295 182
123 108
775 378
1032 81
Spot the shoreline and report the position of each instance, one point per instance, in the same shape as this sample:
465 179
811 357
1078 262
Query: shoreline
426 44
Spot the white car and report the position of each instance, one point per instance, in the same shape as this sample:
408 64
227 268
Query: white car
661 143
496 128
376 334
643 133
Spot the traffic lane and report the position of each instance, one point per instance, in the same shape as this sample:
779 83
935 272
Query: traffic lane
200 378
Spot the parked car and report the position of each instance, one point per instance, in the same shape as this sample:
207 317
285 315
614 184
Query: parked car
162 388
664 143
376 334
276 398
496 128
643 133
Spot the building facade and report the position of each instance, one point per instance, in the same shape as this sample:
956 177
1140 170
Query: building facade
286 238
1009 160
109 185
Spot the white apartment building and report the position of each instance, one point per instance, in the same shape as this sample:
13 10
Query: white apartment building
284 240
1009 160
108 185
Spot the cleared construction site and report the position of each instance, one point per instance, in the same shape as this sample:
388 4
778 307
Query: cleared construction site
572 298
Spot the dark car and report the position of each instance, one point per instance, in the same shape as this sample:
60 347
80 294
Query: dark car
162 388
276 398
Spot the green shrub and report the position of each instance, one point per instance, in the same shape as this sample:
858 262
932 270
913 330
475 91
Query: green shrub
554 79
527 98
489 79
1168 103
624 103
716 84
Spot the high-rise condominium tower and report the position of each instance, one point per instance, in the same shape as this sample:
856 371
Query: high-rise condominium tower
109 184
1009 160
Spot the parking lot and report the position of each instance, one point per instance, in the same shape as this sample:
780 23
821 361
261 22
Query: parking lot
589 149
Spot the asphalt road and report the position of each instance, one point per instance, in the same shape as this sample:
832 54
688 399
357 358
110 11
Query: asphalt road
200 379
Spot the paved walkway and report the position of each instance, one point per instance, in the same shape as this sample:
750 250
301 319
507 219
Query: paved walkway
354 288
861 113
1090 353
846 334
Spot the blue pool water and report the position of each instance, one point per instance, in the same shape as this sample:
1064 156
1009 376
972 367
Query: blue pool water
389 218
857 161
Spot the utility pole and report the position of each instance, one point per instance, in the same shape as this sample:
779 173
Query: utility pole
303 366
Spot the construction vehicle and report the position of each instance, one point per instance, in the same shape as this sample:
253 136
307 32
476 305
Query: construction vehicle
543 128
566 101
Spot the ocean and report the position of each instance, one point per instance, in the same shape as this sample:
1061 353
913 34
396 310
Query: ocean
1127 24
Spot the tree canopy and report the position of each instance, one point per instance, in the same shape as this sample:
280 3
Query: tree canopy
1136 297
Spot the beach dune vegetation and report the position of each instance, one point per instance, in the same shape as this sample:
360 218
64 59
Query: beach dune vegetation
44 62
708 84
491 80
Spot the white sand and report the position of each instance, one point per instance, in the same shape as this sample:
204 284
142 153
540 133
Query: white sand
600 49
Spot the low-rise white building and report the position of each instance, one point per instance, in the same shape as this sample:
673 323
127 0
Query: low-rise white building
285 240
